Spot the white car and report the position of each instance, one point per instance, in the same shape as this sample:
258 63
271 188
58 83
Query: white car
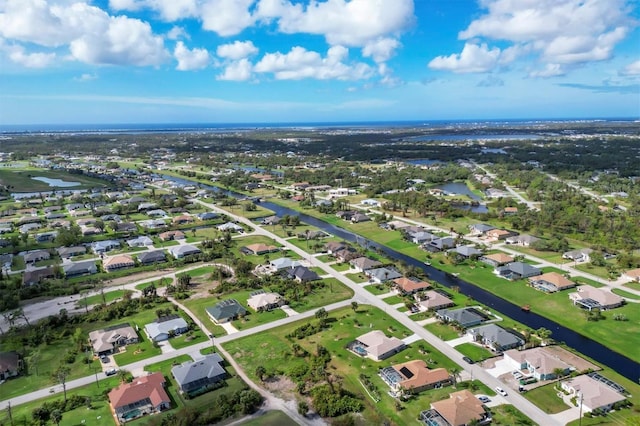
501 391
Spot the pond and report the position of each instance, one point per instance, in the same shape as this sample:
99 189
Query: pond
59 183
456 188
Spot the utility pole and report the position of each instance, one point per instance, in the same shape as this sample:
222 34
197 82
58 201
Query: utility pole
9 413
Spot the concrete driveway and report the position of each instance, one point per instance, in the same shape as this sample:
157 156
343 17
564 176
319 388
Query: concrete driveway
501 367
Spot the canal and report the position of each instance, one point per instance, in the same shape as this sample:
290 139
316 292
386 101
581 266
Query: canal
616 361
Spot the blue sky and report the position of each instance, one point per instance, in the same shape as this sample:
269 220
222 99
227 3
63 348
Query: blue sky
235 61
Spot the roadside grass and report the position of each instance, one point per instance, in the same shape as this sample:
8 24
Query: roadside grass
633 286
109 296
270 348
331 292
393 300
552 269
599 271
271 418
550 256
357 277
546 398
341 267
188 339
626 294
583 280
377 289
239 210
508 415
443 331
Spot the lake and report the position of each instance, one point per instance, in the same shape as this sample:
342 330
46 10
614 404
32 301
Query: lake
59 183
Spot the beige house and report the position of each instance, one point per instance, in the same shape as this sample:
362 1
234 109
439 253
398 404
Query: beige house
461 409
120 261
633 274
414 376
593 393
589 297
261 301
551 282
108 340
376 345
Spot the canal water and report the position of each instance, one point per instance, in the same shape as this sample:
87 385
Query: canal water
617 362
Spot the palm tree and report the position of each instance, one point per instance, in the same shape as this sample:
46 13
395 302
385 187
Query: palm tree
354 306
56 416
455 376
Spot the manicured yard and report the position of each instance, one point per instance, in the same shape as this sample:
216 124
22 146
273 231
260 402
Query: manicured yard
332 291
508 415
394 300
377 289
268 349
188 339
357 277
599 271
341 267
442 331
626 294
546 398
473 351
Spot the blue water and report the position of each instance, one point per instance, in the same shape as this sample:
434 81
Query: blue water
235 127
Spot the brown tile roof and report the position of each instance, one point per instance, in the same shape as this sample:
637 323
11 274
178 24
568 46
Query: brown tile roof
554 278
119 259
140 388
461 408
595 394
408 285
260 248
500 257
633 273
421 375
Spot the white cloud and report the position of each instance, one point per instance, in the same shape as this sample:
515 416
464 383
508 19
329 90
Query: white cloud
226 17
18 55
381 50
176 33
550 70
169 10
190 59
631 69
236 50
473 58
341 22
556 31
86 77
240 70
122 41
90 33
300 63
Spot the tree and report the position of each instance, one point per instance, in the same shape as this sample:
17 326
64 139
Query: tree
184 280
60 376
303 408
354 306
260 372
56 416
455 375
322 314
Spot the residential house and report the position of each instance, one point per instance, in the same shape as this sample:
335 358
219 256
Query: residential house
259 249
271 220
86 222
334 246
462 408
341 192
414 376
100 247
152 224
24 229
496 259
225 311
76 269
144 395
171 235
69 252
593 393
150 257
421 237
551 282
466 317
376 345
633 275
360 217
499 234
522 240
51 216
10 365
538 362
164 327
36 256
36 276
509 211
108 340
466 252
184 250
370 202
119 261
131 226
207 215
480 228
262 301
495 337
410 285
433 301
141 241
6 260
283 263
588 297
397 225
580 255
381 275
517 270
346 254
440 244
143 206
302 274
196 377
362 264
345 214
183 219
231 227
44 237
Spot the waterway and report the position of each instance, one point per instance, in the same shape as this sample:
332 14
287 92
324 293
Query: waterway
618 362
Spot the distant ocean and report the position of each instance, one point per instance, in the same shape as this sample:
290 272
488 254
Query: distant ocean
235 127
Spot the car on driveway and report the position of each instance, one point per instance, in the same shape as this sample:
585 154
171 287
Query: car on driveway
501 391
104 359
484 399
467 360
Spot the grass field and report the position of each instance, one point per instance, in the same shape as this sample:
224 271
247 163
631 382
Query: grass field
475 352
22 180
271 418
109 297
626 294
443 331
546 398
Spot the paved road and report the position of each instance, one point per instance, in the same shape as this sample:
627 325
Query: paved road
530 204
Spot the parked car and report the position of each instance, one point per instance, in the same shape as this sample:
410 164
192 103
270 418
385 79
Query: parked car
104 359
517 375
501 391
467 360
484 399
110 372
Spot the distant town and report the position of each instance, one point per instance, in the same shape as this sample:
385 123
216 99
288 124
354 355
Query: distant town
366 275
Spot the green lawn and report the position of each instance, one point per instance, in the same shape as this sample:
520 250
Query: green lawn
332 291
22 180
473 351
508 415
166 365
546 398
270 348
357 277
188 339
341 267
626 294
599 271
442 331
377 289
109 297
394 300
632 285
